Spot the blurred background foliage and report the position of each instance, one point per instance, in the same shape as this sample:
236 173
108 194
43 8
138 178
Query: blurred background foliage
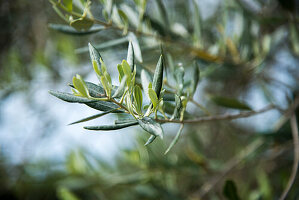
246 50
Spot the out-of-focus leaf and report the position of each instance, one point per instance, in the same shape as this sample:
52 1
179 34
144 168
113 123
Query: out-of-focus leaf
130 56
137 50
92 117
229 103
80 85
120 90
158 77
138 99
151 126
195 78
82 23
68 4
95 56
125 21
65 194
110 127
178 108
197 24
145 80
163 13
179 76
104 45
71 31
175 139
153 97
150 140
168 97
230 190
70 97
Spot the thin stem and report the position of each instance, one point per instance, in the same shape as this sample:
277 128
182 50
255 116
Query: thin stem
294 127
219 117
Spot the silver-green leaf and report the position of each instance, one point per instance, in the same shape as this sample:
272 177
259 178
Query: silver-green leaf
151 126
158 76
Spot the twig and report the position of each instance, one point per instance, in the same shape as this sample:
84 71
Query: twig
219 117
200 106
294 127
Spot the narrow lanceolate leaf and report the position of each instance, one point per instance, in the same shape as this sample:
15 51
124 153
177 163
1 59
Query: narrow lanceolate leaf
110 127
130 56
72 31
70 97
178 108
229 103
80 85
95 56
230 190
175 140
120 72
82 23
158 76
179 76
150 140
103 106
153 97
120 90
138 99
151 126
104 45
92 117
195 79
146 79
137 50
169 97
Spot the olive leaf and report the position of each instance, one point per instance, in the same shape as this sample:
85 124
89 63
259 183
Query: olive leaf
110 127
81 23
175 139
158 76
120 90
92 117
70 97
138 99
95 56
195 77
146 79
153 97
150 140
80 86
72 31
151 126
229 102
130 56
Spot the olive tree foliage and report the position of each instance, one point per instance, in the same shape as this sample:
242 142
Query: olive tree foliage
238 40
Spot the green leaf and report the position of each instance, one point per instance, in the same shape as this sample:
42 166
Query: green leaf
124 121
137 50
92 117
106 85
68 4
104 45
130 56
103 106
153 96
80 85
95 56
120 72
138 99
82 23
158 77
150 140
146 79
197 23
195 78
151 126
127 71
229 103
179 76
178 108
120 90
125 21
94 90
71 31
175 140
169 97
111 127
230 190
70 97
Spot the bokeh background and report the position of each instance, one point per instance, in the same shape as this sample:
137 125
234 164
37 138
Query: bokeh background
41 157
